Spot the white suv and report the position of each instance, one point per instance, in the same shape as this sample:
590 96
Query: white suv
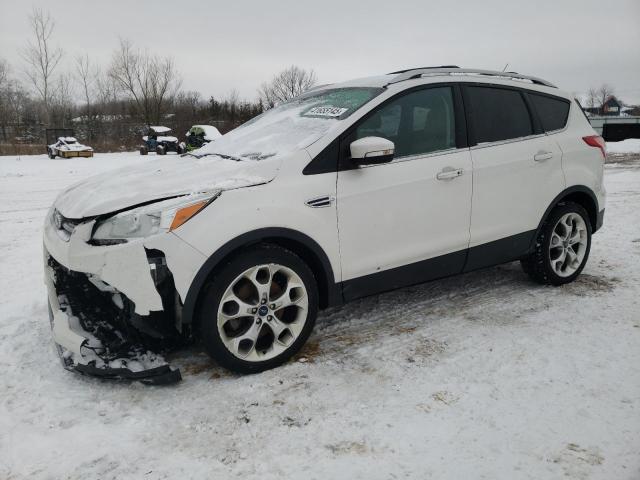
348 190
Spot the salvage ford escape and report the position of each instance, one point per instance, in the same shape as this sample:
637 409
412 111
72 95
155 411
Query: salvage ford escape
348 190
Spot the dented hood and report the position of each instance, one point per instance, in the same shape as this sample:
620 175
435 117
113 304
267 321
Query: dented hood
158 179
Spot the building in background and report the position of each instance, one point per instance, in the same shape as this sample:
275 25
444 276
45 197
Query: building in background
611 107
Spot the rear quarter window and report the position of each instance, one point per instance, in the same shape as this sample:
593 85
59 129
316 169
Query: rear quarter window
552 112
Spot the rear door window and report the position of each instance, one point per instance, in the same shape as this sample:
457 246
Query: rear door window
552 112
498 114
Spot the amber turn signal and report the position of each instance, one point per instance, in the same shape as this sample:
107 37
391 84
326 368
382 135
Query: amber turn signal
185 213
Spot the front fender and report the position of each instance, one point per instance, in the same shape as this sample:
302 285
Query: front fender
253 237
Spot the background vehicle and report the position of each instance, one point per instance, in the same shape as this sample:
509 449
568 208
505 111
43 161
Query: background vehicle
346 191
68 147
199 135
158 140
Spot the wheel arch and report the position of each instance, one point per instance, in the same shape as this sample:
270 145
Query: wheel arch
579 194
299 243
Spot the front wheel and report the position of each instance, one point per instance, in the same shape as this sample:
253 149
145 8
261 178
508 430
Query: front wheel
258 310
161 150
51 154
562 246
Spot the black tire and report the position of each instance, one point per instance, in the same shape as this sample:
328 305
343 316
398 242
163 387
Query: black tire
206 319
144 150
51 154
161 150
182 148
538 264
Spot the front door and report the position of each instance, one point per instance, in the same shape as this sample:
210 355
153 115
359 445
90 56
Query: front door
406 221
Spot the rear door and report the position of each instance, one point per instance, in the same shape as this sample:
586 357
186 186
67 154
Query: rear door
516 173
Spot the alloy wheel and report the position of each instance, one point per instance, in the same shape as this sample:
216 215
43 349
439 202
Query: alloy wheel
568 244
262 312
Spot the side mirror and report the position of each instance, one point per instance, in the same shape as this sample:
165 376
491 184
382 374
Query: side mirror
371 150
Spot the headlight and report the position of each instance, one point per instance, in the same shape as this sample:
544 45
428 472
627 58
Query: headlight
155 218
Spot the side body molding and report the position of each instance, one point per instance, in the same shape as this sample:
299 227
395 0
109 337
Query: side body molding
277 235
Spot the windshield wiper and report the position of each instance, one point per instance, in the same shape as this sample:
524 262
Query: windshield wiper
221 155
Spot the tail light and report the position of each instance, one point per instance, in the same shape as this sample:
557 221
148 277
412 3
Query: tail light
598 142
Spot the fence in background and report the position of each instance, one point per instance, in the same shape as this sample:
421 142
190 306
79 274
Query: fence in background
615 129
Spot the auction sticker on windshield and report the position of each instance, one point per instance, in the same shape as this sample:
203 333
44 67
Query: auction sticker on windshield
326 111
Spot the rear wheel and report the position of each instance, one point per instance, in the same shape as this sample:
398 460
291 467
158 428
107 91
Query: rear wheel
562 246
161 150
51 154
144 150
258 310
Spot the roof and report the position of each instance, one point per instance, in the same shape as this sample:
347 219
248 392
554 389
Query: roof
159 129
437 73
613 99
377 81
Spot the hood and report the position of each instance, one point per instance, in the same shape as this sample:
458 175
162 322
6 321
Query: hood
158 179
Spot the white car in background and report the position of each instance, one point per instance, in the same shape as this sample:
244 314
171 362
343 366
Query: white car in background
346 191
68 147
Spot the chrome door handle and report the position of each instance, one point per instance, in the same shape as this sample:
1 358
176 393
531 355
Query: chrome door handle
448 173
541 156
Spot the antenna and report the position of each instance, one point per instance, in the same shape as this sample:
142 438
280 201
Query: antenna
505 67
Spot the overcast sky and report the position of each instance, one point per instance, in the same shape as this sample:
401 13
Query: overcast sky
223 45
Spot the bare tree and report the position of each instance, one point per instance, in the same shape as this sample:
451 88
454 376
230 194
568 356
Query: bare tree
286 85
14 100
41 57
232 102
188 102
603 94
4 73
592 98
106 90
62 103
86 77
4 97
150 81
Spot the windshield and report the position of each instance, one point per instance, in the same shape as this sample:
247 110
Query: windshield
293 125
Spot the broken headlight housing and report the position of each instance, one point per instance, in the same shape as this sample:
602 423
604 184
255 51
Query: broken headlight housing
159 217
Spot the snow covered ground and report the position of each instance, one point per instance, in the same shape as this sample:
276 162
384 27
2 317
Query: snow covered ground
631 145
485 375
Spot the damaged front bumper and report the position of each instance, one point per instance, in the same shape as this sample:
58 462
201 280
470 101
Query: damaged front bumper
113 308
93 332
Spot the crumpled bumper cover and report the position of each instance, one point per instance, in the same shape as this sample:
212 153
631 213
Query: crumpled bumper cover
93 332
162 375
